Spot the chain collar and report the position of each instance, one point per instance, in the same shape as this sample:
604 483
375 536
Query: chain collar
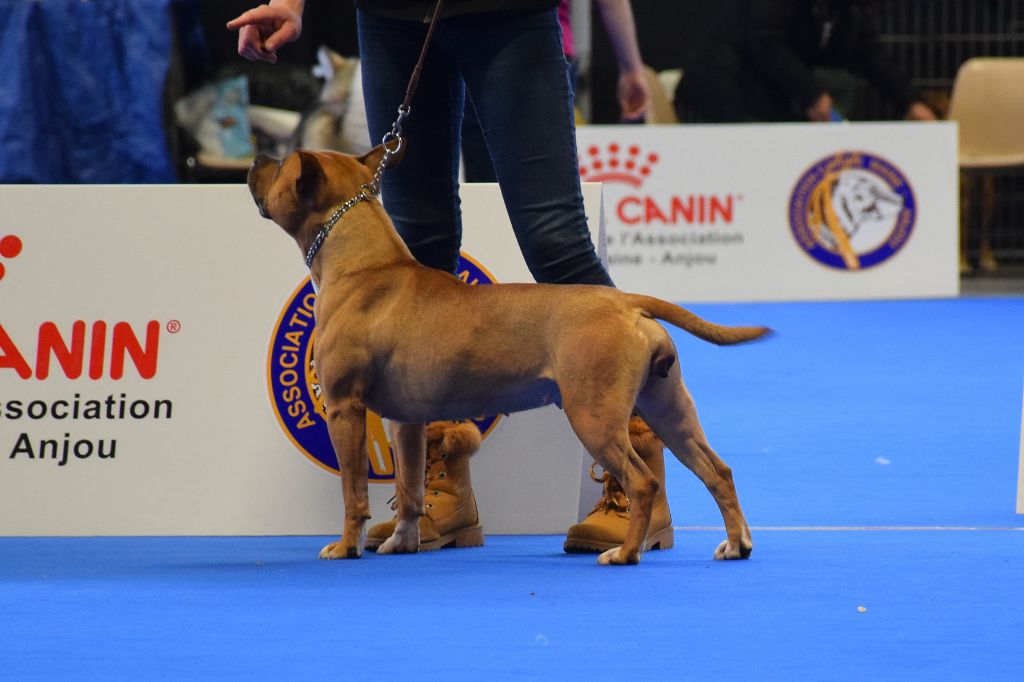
365 192
370 190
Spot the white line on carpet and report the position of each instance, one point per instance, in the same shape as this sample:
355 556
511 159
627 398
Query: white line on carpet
859 528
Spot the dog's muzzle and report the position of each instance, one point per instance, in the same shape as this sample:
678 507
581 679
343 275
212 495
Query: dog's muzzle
253 180
261 205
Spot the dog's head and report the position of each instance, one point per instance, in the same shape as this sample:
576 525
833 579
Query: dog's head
301 190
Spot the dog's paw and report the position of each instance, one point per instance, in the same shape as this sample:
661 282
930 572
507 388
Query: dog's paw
340 550
616 557
727 551
405 540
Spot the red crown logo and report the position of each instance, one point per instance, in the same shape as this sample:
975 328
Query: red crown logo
10 246
616 164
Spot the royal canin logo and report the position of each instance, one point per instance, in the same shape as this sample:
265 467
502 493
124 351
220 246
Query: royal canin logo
98 350
630 165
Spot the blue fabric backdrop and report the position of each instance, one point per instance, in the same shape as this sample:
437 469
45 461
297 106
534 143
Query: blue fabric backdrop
81 86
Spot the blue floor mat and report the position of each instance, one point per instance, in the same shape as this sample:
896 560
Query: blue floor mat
891 413
936 605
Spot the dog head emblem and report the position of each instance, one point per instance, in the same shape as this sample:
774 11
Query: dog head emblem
860 197
852 210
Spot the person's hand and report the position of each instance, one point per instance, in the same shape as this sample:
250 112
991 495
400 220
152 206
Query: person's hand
821 110
634 95
919 111
263 30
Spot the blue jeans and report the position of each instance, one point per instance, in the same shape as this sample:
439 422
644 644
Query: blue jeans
514 70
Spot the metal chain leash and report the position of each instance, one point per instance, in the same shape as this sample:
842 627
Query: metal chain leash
392 137
392 143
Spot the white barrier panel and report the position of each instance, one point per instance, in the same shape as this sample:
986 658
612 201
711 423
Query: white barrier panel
153 345
1020 471
779 212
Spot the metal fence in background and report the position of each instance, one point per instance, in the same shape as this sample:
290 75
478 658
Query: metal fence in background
931 39
934 37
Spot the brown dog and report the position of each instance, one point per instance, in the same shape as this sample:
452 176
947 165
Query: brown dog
385 342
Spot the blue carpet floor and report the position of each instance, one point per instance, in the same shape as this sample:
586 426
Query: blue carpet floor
938 605
892 413
875 449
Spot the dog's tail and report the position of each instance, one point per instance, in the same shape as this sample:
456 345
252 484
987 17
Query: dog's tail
699 327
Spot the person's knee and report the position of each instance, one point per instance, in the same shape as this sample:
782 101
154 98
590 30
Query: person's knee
583 268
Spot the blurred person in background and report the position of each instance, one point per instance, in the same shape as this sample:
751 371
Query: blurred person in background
770 60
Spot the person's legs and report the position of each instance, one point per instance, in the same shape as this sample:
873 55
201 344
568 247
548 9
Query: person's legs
517 77
421 196
421 193
476 159
517 74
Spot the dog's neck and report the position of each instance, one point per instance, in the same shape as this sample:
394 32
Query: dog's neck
363 240
325 229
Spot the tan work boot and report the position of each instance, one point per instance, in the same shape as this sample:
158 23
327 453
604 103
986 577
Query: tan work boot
450 518
605 527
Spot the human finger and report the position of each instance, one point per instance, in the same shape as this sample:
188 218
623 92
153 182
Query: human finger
252 47
255 15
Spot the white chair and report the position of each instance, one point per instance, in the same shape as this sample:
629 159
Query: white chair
988 104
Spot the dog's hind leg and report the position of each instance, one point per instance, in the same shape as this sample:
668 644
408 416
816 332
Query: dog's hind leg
346 424
602 426
410 459
598 391
667 406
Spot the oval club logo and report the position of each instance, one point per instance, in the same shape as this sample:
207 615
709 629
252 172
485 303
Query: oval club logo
852 211
297 397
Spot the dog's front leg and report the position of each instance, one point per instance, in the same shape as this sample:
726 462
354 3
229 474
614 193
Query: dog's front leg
410 442
346 423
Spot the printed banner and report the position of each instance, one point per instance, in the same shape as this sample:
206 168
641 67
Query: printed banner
155 375
779 212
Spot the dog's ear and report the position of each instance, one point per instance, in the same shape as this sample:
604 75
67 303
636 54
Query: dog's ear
371 159
311 179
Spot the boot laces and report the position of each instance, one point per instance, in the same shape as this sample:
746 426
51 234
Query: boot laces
613 497
429 477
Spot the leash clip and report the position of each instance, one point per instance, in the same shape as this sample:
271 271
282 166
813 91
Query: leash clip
392 143
394 136
403 112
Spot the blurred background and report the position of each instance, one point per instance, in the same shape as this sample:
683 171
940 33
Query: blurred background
113 91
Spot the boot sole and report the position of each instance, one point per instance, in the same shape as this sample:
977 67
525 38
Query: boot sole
473 536
662 539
